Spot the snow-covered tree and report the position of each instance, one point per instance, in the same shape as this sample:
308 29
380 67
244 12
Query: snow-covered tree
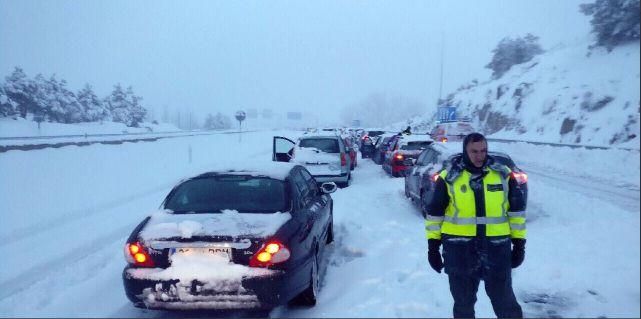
511 52
93 109
613 21
137 113
7 106
125 106
40 94
17 89
62 104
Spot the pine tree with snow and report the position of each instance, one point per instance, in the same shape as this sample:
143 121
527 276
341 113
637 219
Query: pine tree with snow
125 106
7 106
137 113
93 108
511 52
117 104
17 88
613 21
40 94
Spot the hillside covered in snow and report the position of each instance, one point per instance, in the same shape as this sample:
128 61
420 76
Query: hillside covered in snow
568 94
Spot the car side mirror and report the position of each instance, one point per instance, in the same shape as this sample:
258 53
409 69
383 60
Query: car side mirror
328 187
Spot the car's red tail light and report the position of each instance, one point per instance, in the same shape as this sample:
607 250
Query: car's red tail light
137 254
520 178
343 159
435 177
399 157
365 137
444 139
273 252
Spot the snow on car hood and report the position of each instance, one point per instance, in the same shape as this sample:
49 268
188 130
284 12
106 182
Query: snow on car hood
165 224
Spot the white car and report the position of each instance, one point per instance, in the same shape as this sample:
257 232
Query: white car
325 156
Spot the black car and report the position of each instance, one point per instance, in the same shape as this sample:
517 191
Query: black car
421 178
232 239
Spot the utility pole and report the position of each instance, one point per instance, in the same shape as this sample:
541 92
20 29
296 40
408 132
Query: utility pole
440 88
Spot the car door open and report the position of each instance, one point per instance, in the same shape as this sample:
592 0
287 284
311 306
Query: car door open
282 149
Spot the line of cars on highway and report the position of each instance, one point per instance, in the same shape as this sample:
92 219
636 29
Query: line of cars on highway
253 237
249 237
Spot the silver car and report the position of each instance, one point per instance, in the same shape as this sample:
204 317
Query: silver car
324 155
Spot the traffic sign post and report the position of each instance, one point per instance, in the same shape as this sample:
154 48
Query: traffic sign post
240 116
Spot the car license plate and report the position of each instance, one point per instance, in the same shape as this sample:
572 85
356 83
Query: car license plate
219 251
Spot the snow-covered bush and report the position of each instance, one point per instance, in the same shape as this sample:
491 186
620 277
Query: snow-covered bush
613 21
510 52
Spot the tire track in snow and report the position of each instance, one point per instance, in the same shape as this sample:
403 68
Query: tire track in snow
40 272
58 221
626 197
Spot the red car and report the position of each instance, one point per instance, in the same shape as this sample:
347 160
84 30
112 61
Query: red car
352 151
407 147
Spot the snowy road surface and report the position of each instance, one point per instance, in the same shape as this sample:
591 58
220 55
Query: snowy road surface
67 212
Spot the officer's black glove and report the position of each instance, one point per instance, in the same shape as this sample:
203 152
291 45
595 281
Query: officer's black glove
518 251
434 255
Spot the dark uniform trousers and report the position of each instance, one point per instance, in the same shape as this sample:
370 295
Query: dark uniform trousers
467 261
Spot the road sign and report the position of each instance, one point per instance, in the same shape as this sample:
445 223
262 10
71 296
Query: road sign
446 114
240 116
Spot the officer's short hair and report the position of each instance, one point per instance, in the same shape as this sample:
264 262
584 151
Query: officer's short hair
473 137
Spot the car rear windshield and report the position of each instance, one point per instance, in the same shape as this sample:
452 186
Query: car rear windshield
246 194
375 133
327 145
413 146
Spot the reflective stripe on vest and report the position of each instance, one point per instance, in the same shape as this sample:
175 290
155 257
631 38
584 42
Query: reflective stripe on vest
433 227
476 220
434 218
517 226
516 214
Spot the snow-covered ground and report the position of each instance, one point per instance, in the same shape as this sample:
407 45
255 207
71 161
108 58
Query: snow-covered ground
67 212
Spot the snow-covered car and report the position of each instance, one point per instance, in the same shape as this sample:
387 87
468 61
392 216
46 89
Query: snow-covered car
249 238
406 148
420 178
325 156
451 131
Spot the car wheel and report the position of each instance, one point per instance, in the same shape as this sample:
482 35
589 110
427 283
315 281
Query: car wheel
330 231
345 184
308 297
407 192
422 205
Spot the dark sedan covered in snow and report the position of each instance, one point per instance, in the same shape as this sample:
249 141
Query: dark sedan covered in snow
232 239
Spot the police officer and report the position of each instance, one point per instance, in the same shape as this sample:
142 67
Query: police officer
478 214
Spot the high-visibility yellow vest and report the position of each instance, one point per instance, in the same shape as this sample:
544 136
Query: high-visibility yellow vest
460 215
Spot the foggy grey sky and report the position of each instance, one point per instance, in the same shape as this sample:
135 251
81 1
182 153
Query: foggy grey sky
211 56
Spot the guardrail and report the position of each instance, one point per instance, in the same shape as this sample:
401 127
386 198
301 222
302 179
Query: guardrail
29 147
589 147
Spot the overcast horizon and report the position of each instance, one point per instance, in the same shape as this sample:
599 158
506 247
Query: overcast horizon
286 56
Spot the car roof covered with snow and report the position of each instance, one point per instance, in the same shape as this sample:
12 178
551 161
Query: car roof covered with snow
271 169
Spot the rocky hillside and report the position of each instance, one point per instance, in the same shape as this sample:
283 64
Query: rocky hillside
568 94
